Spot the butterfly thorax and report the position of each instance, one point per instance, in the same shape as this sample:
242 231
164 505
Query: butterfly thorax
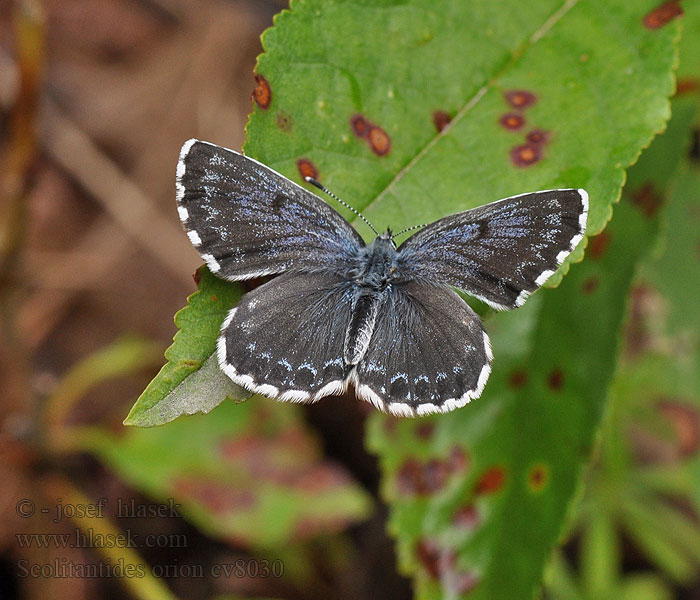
374 272
376 264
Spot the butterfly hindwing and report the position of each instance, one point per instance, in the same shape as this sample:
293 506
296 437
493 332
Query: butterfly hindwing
246 220
285 338
428 353
500 252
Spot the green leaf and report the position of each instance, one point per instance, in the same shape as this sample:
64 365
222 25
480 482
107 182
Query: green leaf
599 82
251 473
171 393
519 450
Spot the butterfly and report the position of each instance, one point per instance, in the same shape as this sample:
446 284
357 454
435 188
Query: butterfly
384 319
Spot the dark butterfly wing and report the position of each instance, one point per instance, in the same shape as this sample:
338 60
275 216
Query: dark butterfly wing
500 252
246 220
429 353
285 338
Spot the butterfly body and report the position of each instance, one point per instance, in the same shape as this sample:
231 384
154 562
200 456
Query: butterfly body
340 312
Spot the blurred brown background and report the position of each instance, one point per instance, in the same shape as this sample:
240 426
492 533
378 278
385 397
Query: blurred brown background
96 99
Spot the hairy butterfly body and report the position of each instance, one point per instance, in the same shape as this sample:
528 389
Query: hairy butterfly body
383 318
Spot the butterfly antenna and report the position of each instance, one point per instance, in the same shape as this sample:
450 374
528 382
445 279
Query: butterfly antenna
407 229
323 188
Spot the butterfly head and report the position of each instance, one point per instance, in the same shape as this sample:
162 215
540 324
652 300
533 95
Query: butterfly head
387 236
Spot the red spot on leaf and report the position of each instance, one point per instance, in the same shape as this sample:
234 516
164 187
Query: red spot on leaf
424 431
525 155
196 277
662 14
467 517
284 121
685 422
491 481
590 285
307 168
685 86
517 379
360 126
538 137
555 380
262 94
598 245
648 199
538 477
520 98
441 119
512 121
379 141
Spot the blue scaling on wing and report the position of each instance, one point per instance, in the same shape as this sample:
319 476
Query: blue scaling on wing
429 353
500 252
246 220
285 338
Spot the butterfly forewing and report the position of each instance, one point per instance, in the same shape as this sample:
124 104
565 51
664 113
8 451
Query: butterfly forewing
246 220
500 252
428 353
285 338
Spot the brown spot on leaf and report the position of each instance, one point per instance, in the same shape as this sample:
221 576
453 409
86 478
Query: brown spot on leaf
467 517
423 478
424 431
555 380
307 169
214 495
308 527
525 155
214 298
389 425
360 126
590 285
520 98
379 141
321 479
196 277
262 94
538 477
538 137
491 481
685 422
465 581
457 459
598 245
441 119
517 378
435 559
685 86
648 199
428 554
284 121
512 121
662 14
